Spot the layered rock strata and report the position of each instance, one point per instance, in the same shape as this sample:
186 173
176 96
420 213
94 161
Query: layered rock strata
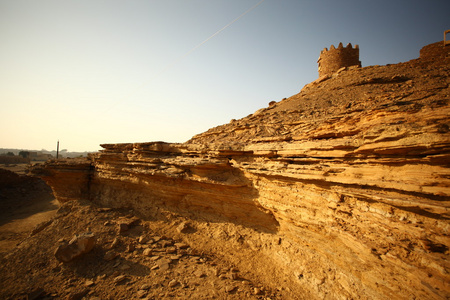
345 185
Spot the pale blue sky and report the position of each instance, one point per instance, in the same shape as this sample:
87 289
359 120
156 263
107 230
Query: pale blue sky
92 72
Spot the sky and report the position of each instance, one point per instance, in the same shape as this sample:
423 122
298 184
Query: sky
89 72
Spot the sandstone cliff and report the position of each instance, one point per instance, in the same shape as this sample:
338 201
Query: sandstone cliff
341 191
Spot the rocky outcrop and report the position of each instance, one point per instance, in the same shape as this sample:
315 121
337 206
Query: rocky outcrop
69 180
346 185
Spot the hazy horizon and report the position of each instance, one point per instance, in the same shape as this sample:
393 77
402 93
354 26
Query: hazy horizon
6 149
97 72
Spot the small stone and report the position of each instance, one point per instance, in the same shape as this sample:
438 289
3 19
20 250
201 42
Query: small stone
145 286
114 243
320 280
124 267
183 227
229 288
130 220
116 264
341 70
199 274
143 239
41 227
154 258
89 283
181 245
173 283
119 278
141 293
182 252
105 209
147 252
166 243
164 266
110 255
171 250
163 261
154 267
257 291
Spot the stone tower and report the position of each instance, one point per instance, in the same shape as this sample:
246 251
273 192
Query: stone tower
332 60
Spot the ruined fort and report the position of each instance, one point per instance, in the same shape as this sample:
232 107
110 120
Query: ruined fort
334 59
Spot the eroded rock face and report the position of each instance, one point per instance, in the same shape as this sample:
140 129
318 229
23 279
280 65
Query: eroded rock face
69 180
351 177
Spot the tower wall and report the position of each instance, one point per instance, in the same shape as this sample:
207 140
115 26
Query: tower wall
332 60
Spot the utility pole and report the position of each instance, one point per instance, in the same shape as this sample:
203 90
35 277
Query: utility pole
57 150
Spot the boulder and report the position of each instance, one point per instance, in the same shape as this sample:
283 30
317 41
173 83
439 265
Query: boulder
79 245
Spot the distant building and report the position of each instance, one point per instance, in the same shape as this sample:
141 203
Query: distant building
39 156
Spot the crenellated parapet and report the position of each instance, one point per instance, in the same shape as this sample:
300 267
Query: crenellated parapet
332 60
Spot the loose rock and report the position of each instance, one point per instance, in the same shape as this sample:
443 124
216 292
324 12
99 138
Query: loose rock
147 252
110 255
173 283
141 293
183 227
229 288
119 279
143 239
181 245
79 245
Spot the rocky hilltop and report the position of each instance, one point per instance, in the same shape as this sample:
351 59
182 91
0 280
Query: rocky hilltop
338 192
